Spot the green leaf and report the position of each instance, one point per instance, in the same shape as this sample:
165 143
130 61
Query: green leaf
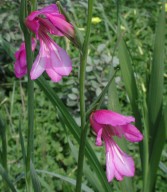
165 114
22 143
3 154
156 78
157 148
90 176
131 87
8 48
35 180
7 179
113 104
67 179
75 130
129 79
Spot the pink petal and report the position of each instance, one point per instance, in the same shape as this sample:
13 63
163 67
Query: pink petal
33 44
33 25
109 117
98 138
118 164
19 72
21 49
62 25
20 66
97 128
59 60
132 133
109 166
49 27
124 164
53 75
22 59
40 61
51 9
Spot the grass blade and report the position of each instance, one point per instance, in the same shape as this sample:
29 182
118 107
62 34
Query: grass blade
35 180
156 78
7 179
129 79
4 144
90 176
113 104
22 144
75 130
131 87
67 179
157 148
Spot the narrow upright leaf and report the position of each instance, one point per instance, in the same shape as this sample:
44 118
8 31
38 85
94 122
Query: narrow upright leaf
156 77
129 79
35 180
3 157
5 176
75 130
67 179
113 104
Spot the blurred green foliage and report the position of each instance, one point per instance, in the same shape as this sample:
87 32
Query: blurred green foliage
52 150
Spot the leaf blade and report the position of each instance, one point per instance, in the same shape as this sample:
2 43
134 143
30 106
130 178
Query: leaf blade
75 130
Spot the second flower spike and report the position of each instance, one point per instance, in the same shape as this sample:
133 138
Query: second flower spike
106 125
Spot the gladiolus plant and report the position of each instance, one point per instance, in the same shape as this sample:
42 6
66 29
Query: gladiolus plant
133 144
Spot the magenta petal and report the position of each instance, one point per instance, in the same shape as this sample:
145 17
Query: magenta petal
49 27
33 25
20 66
132 133
109 117
19 72
98 138
62 25
23 62
96 127
60 61
51 9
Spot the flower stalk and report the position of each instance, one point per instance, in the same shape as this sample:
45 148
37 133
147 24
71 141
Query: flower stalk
30 147
30 88
82 97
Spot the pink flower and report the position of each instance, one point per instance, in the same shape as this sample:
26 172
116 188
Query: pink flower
50 20
51 58
107 124
20 66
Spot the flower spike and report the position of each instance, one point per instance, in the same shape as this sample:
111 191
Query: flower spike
107 124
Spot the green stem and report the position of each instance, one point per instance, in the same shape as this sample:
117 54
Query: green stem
30 148
82 98
29 56
4 145
3 153
146 148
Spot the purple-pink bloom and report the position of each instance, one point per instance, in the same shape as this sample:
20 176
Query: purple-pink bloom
51 58
107 124
20 65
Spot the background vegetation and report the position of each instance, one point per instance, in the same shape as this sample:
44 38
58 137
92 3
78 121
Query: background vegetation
55 147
